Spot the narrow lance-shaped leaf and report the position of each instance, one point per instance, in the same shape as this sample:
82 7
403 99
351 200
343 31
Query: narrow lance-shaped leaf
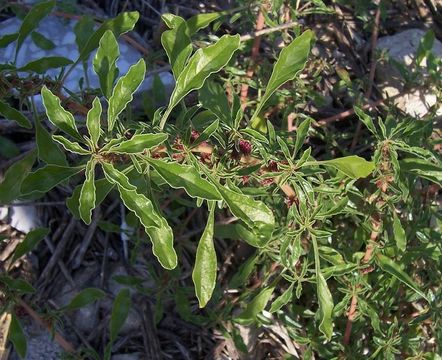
255 214
121 24
47 177
393 269
105 62
200 66
283 299
176 42
301 134
124 90
10 186
87 194
102 189
120 310
352 166
204 271
138 143
17 337
83 30
290 62
85 297
258 304
213 97
42 65
93 121
5 40
70 146
399 233
366 119
48 150
42 41
200 21
32 20
185 177
29 243
155 225
422 168
12 114
57 115
325 298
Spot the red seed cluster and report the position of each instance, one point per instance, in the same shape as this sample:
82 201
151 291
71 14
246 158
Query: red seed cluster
245 147
194 135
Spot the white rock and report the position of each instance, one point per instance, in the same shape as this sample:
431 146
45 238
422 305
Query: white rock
403 47
24 218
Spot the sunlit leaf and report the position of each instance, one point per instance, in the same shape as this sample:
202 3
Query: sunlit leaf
204 271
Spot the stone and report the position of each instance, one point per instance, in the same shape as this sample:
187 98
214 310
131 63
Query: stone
402 47
61 33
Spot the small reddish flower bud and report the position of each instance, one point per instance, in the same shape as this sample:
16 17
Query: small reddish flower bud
290 201
194 135
177 143
272 166
245 179
245 147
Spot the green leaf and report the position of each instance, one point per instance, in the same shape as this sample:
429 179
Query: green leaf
422 168
42 41
48 150
18 285
176 42
425 46
11 114
47 177
71 146
255 214
239 232
353 166
32 20
200 66
399 233
10 186
138 143
200 21
17 337
366 119
123 23
58 116
120 311
83 30
85 297
124 90
93 121
207 133
8 148
283 299
87 193
29 243
301 134
204 271
5 40
213 97
42 65
325 298
185 177
102 189
105 62
393 269
155 225
258 304
291 61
